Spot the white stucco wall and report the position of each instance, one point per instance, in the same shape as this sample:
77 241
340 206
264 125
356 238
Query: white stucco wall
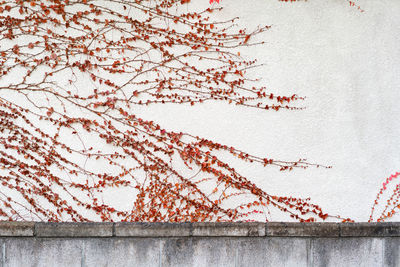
347 64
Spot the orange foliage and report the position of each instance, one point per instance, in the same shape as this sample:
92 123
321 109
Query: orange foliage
72 75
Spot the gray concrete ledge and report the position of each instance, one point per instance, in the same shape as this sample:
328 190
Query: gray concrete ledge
272 229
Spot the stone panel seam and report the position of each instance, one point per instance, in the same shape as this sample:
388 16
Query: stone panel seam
159 253
3 256
237 255
383 251
191 230
308 253
83 254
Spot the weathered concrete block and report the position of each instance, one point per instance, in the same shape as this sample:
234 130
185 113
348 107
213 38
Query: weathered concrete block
362 229
322 229
152 229
284 229
274 251
17 228
109 252
392 229
198 252
391 252
337 252
42 252
370 229
276 229
228 229
74 229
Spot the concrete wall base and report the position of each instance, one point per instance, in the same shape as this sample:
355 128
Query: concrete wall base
199 244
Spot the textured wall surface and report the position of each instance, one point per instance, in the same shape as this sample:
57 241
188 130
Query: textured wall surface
346 63
199 244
